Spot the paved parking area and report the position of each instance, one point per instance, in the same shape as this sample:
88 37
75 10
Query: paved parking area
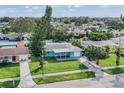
110 81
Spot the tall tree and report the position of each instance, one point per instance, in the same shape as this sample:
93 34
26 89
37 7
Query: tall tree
121 17
22 25
46 20
118 55
95 53
38 37
76 42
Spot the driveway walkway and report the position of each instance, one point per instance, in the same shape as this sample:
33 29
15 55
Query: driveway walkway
109 81
25 76
93 67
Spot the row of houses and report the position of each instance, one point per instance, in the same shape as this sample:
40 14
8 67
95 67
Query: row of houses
84 32
119 41
17 52
10 37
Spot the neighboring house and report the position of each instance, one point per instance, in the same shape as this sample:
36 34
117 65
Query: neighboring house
118 33
14 54
119 41
81 32
3 23
9 36
63 51
102 43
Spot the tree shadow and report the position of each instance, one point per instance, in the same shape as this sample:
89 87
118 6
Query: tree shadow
36 70
117 70
9 65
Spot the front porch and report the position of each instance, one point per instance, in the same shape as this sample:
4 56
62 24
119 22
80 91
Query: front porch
11 59
65 56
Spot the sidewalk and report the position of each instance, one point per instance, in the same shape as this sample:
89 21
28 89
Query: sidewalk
59 73
49 74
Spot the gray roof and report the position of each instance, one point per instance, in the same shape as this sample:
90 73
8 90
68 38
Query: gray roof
61 47
10 36
119 40
99 43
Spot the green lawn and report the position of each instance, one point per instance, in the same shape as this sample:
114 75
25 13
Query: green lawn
10 70
110 61
118 70
9 84
53 66
59 78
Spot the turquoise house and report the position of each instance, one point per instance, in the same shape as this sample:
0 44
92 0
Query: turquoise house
63 51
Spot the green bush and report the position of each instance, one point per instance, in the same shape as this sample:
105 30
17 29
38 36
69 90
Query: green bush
82 66
122 55
5 62
99 35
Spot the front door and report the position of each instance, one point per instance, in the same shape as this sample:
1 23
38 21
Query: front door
13 58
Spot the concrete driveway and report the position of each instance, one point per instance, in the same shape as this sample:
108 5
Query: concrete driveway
25 76
91 66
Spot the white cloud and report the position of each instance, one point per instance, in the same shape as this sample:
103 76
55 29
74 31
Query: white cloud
29 10
27 7
70 8
11 11
76 6
2 11
35 7
104 6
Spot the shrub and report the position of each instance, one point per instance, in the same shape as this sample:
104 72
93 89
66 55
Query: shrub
122 55
81 66
4 62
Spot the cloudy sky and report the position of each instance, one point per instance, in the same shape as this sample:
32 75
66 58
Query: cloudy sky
60 10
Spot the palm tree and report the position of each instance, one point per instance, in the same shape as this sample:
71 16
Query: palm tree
107 48
117 52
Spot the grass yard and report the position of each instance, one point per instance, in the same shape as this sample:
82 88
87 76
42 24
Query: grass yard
110 61
53 66
59 78
9 84
118 70
10 70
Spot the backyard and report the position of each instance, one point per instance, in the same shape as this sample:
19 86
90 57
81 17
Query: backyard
52 66
110 61
10 70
